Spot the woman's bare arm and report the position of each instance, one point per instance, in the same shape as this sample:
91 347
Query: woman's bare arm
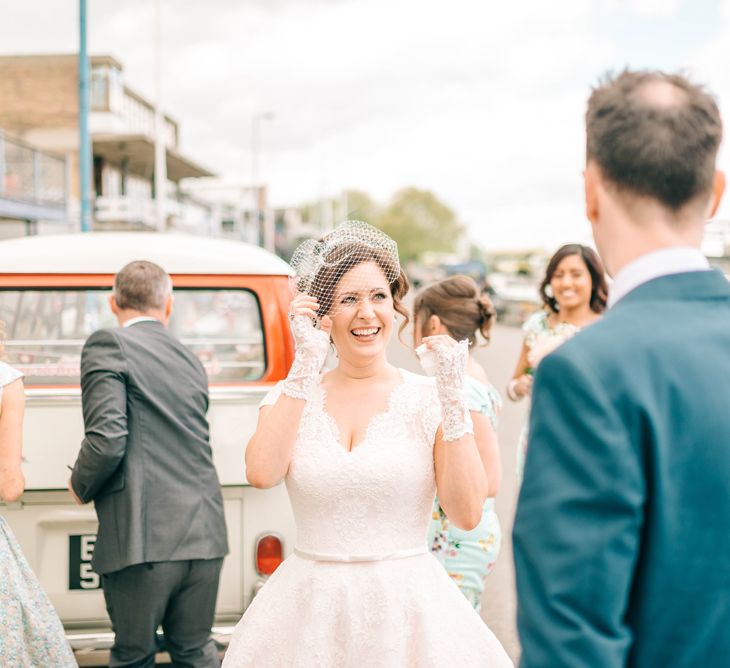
269 451
461 480
488 446
521 383
12 481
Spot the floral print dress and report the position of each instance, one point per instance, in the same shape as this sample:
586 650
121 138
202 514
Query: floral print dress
469 556
31 635
541 339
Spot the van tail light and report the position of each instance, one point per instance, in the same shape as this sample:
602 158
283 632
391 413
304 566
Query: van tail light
269 554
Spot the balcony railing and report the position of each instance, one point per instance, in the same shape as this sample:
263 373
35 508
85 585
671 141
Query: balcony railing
181 214
33 183
125 210
109 94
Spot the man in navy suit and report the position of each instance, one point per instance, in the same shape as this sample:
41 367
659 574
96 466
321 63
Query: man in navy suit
622 533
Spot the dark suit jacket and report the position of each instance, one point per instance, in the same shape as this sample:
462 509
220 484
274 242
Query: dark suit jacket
622 533
146 461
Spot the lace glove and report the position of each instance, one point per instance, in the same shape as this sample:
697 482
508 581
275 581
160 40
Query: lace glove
451 361
312 346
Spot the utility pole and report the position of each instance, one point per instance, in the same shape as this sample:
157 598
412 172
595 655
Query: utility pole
84 138
160 148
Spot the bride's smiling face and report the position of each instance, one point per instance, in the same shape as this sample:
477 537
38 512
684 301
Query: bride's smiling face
364 312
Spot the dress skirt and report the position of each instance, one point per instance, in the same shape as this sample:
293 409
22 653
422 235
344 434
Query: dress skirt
31 634
389 613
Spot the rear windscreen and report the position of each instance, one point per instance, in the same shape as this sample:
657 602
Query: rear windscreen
44 330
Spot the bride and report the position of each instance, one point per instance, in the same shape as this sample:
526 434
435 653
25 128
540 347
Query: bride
363 449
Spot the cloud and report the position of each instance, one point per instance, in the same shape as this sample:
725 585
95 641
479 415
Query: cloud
645 8
481 102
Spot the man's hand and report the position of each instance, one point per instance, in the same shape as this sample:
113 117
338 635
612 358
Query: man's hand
73 494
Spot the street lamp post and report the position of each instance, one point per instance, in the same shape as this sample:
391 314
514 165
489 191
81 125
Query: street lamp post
268 225
84 138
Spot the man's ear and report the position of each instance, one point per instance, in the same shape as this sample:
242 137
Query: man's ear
113 304
718 188
168 307
592 185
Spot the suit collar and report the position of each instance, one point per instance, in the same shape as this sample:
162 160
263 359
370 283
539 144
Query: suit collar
685 286
661 262
141 319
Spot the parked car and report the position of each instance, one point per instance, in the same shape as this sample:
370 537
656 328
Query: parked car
230 309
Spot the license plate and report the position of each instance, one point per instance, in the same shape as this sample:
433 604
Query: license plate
80 574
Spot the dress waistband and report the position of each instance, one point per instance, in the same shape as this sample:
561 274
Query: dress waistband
354 558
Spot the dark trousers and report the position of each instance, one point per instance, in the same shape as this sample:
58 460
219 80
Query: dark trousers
177 595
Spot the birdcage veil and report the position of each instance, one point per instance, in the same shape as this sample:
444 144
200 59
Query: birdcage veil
319 265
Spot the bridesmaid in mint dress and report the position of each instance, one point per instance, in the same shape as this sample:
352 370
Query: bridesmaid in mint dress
455 307
31 634
574 294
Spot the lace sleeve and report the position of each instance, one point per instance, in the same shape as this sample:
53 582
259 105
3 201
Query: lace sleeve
8 374
272 396
430 414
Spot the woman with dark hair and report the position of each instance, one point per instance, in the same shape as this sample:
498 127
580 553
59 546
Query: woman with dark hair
574 293
454 307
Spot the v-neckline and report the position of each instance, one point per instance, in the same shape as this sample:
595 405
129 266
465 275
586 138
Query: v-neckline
335 428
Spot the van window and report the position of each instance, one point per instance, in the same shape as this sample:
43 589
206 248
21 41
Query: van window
44 331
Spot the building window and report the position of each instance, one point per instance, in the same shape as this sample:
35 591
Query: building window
99 92
106 88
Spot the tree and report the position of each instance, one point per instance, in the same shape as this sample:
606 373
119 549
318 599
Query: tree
419 222
360 206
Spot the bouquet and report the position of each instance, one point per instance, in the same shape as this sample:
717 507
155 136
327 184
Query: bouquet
546 342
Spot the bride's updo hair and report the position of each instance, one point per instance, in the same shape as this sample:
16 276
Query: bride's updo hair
346 257
459 304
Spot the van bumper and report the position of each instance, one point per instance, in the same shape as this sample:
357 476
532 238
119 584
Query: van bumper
92 649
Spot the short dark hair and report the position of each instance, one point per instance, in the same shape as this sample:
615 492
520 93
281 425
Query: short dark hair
599 287
665 151
142 286
460 306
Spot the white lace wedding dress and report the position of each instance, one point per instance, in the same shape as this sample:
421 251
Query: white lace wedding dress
361 589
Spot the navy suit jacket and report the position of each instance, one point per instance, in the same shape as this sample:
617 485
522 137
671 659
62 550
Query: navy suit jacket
622 532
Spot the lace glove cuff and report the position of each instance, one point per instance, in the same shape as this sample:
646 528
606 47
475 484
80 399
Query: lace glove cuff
450 384
312 346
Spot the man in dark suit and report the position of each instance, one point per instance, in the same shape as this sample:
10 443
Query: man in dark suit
147 464
622 533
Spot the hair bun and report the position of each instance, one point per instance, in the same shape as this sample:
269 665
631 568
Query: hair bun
487 315
486 308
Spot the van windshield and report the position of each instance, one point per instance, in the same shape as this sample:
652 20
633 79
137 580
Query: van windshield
44 330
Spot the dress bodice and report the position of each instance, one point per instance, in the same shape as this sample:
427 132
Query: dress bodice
395 606
375 500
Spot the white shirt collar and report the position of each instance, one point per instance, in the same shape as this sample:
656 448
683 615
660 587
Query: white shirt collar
675 260
141 318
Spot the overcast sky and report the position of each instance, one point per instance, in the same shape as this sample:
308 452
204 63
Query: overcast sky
480 101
